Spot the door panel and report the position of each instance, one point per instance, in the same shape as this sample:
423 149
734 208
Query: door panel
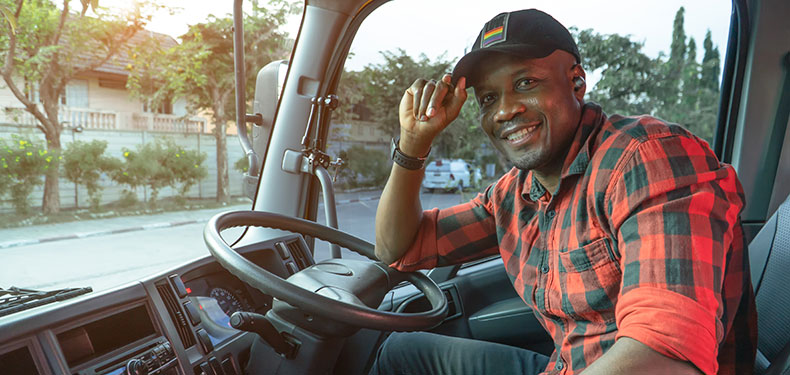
487 308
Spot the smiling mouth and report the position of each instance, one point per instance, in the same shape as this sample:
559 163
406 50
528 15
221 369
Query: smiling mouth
523 133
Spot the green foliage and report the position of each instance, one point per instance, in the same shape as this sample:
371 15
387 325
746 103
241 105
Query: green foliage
201 68
83 164
22 163
364 167
628 76
185 165
8 14
678 89
159 164
382 85
241 165
53 45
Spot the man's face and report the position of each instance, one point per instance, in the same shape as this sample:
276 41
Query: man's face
529 108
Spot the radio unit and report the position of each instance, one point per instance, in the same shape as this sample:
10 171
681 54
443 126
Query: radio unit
159 360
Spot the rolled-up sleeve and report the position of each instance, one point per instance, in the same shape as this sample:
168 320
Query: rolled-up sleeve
453 235
675 208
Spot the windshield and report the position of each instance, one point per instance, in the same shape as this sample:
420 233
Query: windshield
115 173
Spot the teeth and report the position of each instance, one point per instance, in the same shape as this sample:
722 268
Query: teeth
521 133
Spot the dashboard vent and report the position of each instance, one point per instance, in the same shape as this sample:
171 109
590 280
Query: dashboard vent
176 314
302 257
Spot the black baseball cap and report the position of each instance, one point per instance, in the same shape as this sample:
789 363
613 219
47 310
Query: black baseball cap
526 33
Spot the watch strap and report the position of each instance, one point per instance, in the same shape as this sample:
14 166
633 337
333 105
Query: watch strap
406 161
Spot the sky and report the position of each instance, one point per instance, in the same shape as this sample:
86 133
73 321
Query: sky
436 27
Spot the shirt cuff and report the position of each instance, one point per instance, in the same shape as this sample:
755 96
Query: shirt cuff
422 254
671 324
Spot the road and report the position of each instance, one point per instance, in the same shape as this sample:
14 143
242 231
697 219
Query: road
110 260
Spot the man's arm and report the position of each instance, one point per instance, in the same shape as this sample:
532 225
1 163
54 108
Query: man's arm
628 356
675 211
427 107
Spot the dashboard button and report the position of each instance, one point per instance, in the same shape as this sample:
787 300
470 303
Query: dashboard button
227 365
205 369
282 250
291 266
214 363
205 341
192 311
181 290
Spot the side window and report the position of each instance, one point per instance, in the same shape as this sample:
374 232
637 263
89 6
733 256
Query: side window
662 59
76 94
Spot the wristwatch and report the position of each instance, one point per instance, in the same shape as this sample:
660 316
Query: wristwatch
404 160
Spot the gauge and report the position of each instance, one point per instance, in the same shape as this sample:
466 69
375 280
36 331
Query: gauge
227 301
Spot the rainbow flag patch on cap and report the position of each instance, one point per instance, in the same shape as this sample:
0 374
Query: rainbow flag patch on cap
495 31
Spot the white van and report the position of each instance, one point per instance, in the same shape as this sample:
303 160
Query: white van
449 175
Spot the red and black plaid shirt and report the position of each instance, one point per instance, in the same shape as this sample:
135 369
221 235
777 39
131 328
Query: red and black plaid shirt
643 239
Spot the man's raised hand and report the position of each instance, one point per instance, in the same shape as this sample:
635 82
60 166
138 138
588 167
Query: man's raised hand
427 107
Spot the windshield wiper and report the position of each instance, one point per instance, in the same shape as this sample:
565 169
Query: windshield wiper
13 300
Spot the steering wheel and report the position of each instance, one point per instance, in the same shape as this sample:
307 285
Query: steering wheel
327 299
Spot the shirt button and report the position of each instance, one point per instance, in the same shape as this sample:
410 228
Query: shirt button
551 214
560 365
544 269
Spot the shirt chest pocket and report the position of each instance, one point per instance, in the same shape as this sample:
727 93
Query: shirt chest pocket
589 279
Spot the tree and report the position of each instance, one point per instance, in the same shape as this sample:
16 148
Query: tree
200 69
83 164
384 84
22 162
671 81
627 81
710 65
45 47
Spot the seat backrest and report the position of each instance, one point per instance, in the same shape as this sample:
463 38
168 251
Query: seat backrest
769 258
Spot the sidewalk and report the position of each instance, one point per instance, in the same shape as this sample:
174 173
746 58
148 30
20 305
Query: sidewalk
22 236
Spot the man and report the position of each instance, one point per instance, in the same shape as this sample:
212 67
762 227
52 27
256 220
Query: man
622 233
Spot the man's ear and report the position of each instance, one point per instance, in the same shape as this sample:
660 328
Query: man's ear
579 79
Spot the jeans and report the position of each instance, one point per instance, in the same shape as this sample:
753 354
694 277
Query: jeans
421 353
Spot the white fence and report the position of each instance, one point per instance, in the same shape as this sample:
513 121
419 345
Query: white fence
90 118
119 139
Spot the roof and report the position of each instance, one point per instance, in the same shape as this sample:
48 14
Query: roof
116 65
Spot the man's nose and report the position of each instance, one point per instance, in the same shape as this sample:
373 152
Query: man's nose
509 107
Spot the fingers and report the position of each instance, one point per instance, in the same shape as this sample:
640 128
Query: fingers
425 101
456 101
428 97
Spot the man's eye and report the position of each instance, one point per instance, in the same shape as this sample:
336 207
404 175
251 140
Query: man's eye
525 83
486 99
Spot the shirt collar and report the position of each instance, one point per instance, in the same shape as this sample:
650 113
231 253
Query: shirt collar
578 156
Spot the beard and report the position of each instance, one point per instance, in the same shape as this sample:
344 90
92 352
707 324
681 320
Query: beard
541 160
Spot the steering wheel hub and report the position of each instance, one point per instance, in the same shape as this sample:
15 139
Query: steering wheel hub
332 298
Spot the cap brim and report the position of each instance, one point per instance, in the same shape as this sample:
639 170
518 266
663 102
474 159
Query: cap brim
469 65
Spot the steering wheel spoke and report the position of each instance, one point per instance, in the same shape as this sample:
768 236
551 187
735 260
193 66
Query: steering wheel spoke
334 297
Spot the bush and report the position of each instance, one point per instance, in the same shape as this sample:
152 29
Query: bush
83 164
159 164
364 167
185 165
241 165
22 163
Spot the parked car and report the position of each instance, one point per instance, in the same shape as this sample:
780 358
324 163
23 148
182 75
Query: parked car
450 175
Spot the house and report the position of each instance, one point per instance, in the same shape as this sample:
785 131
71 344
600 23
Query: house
97 105
99 100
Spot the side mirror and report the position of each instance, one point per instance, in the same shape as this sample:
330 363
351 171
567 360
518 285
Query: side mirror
268 88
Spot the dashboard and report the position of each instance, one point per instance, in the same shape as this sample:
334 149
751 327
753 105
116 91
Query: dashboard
173 323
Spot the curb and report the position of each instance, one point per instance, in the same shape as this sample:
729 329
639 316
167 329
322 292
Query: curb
355 200
6 245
